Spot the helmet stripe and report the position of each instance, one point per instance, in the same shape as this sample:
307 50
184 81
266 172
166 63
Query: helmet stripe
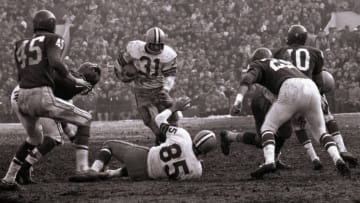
157 35
203 139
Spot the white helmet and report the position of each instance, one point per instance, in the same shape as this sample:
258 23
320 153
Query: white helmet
155 38
204 141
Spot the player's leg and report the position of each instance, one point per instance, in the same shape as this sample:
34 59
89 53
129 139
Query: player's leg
334 131
314 115
283 133
299 124
53 136
133 156
163 101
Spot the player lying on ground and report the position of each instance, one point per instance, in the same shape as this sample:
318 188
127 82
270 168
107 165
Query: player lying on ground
296 94
54 131
151 66
310 61
260 105
176 159
37 59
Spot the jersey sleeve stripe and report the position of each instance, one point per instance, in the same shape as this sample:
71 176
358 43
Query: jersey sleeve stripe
121 60
164 128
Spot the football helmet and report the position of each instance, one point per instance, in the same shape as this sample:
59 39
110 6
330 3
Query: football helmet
204 141
154 38
328 82
297 34
44 20
260 53
91 72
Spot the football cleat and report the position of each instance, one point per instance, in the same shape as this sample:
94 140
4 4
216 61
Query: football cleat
263 169
9 186
225 143
342 168
317 165
24 177
88 176
349 158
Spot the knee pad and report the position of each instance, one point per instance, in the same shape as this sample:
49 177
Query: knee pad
332 127
267 137
327 140
82 135
302 136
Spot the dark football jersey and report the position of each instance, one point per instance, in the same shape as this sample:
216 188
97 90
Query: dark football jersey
270 73
32 60
308 60
65 88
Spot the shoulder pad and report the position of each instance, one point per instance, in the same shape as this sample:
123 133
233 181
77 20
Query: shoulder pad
167 55
135 48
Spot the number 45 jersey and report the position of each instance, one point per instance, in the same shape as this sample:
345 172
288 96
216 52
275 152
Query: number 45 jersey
175 158
151 68
31 56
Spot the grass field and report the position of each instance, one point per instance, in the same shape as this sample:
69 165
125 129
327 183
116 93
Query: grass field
226 179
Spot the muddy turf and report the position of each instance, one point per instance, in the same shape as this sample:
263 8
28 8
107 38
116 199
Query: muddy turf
225 179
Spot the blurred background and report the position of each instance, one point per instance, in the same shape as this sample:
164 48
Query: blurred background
213 39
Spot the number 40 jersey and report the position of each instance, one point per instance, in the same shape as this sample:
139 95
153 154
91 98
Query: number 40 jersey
175 158
151 68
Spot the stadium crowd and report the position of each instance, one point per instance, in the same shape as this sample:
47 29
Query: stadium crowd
213 40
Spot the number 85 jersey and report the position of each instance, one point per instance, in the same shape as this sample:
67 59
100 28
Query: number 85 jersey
175 158
151 68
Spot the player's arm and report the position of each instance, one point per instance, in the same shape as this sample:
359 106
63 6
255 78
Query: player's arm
169 72
123 60
317 76
180 104
54 51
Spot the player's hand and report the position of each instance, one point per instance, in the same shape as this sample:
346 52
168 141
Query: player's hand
236 109
181 104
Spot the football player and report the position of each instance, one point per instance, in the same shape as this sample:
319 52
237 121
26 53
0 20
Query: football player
310 60
176 159
37 59
54 131
296 94
155 68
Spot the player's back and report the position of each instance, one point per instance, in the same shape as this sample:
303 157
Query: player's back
308 60
151 68
175 158
32 61
271 73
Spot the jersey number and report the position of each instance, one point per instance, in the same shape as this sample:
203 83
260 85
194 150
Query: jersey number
302 58
277 64
21 53
172 152
148 64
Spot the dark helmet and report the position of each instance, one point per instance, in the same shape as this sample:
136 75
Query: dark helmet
44 20
260 53
91 72
297 34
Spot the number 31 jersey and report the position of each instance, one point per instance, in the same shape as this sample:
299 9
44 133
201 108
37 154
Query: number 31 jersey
175 158
151 68
31 56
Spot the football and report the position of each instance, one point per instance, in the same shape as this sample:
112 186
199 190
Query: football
328 82
130 70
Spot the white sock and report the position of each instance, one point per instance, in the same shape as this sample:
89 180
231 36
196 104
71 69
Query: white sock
82 163
97 165
269 153
340 142
334 153
310 151
12 172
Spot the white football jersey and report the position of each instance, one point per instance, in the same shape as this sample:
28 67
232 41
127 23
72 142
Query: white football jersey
175 158
151 68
